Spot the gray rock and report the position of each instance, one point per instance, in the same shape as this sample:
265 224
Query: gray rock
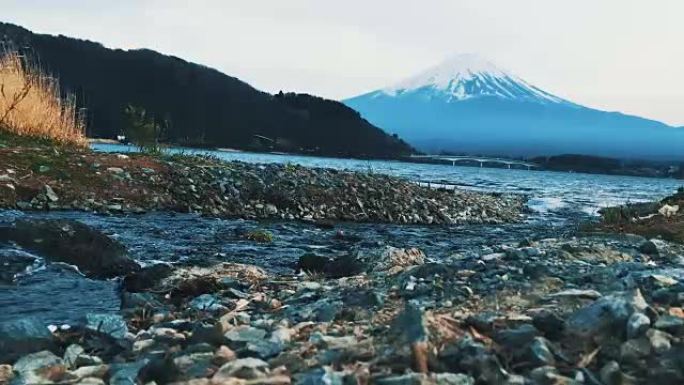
194 365
660 341
670 324
611 374
453 379
50 194
71 354
112 325
539 353
516 338
607 315
245 334
637 324
634 350
406 379
247 368
649 247
410 326
23 336
321 376
126 374
72 242
40 368
263 349
207 302
207 333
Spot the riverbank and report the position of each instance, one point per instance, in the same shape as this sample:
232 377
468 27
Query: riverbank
230 302
587 310
57 178
663 219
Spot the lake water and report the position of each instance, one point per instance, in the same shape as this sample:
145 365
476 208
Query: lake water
558 201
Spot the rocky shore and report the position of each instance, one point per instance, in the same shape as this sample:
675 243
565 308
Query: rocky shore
596 309
52 178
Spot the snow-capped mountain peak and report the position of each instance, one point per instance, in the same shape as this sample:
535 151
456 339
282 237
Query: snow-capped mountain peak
467 76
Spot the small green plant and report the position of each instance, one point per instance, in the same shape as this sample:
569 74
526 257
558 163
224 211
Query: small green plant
142 130
260 235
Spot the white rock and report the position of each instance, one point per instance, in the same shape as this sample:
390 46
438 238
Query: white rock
668 211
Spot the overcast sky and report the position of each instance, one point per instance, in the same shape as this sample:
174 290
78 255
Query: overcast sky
618 55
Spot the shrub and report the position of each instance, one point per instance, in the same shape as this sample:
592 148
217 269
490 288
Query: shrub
31 104
142 130
260 236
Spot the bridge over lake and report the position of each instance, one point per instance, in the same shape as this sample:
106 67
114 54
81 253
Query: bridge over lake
482 160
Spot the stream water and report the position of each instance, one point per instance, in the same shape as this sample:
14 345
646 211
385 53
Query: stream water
557 202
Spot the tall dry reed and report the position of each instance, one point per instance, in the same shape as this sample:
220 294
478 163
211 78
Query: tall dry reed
31 104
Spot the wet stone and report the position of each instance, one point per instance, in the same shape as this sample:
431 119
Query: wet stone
126 374
245 334
550 324
649 247
207 302
409 326
515 338
112 325
23 336
660 341
40 368
670 324
539 353
263 349
207 333
634 350
321 376
246 368
453 379
637 324
406 379
607 315
71 354
6 374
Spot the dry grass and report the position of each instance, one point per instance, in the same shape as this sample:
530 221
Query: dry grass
31 105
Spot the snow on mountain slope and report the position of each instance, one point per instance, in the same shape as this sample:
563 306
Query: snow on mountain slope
468 105
467 76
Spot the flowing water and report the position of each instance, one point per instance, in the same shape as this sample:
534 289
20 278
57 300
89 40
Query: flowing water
557 202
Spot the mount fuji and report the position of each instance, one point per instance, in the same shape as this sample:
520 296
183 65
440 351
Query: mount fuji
469 105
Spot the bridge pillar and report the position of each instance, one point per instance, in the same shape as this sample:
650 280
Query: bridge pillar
453 162
509 165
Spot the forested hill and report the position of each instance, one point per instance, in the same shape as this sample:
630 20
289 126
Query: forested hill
202 106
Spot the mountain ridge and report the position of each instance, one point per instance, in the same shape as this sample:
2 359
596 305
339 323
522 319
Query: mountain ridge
204 107
491 111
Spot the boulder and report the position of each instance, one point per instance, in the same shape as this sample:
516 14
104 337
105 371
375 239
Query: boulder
247 368
393 258
337 267
147 277
72 242
390 259
607 315
112 325
23 336
13 262
40 368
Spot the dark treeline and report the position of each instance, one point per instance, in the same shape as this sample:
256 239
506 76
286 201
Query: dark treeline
199 106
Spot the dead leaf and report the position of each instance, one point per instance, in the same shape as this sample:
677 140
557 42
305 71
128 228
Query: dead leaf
587 359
